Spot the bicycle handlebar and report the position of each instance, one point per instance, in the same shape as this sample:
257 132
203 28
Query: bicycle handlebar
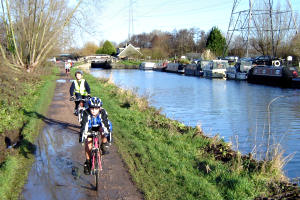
95 133
79 99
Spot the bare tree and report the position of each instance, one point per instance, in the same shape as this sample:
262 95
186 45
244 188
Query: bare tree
294 46
32 28
200 39
161 44
237 47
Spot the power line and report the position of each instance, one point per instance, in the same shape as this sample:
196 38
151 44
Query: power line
185 12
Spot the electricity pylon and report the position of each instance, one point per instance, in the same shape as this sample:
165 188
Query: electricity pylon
259 19
130 20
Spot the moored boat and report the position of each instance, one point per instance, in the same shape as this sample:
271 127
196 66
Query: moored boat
230 73
172 67
296 82
214 68
274 75
147 66
181 68
193 70
239 71
242 70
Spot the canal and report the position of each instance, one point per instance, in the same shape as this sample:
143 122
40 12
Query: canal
236 110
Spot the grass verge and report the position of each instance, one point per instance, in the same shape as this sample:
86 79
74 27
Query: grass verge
168 160
130 62
37 92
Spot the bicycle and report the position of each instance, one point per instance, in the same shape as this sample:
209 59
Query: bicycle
67 71
80 107
96 159
68 65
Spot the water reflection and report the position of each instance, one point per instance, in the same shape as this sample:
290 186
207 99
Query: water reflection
235 110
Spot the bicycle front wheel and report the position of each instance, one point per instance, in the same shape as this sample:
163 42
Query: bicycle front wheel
97 169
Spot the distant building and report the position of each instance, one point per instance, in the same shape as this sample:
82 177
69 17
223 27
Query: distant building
129 51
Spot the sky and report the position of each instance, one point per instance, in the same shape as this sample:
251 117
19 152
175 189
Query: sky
111 17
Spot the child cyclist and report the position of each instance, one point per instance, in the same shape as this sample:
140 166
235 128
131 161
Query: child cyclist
94 119
67 67
79 89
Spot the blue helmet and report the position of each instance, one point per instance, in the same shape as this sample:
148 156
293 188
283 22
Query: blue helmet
95 102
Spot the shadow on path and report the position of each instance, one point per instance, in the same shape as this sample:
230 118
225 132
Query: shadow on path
50 121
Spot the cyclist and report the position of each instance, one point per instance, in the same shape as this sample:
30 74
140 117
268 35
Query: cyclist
94 119
67 67
81 89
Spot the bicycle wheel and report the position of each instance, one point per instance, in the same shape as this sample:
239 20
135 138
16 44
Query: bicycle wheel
79 115
97 169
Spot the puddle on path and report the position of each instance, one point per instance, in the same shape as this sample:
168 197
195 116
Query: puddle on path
54 106
59 94
57 170
61 81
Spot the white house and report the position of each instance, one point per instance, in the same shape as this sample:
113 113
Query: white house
128 51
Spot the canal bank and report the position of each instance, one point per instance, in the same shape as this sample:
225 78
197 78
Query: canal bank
237 111
124 66
168 160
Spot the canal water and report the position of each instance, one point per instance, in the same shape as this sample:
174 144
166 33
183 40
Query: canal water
236 110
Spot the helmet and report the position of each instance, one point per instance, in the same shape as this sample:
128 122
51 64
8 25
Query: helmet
95 102
79 72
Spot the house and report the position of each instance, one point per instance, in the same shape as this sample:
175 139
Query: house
129 51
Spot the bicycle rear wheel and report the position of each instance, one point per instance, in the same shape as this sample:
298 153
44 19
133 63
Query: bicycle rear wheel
79 115
97 180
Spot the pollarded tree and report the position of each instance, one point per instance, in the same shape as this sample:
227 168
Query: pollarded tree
31 30
107 48
216 42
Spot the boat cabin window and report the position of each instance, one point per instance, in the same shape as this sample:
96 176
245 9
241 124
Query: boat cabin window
220 65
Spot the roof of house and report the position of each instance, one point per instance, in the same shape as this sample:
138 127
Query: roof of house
128 50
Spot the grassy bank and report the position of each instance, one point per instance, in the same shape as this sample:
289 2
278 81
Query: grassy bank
25 96
168 160
130 62
126 64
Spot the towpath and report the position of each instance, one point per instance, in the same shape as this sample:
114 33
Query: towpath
58 170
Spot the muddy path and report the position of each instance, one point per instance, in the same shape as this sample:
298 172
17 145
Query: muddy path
58 170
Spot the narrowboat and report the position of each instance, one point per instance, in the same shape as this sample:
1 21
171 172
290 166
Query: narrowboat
193 70
239 71
282 76
172 67
230 72
214 68
181 68
147 66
